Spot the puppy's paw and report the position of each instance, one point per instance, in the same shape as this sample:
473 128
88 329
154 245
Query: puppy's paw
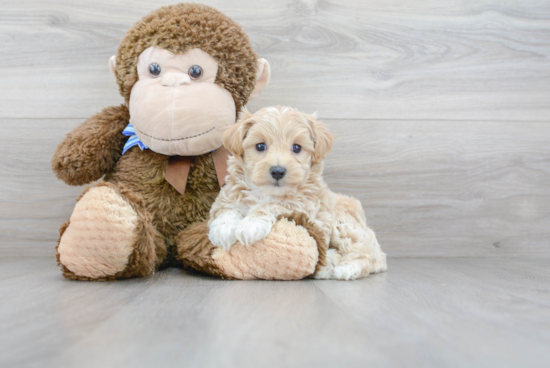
349 271
252 229
222 229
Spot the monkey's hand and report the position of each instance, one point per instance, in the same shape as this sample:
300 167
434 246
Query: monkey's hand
93 148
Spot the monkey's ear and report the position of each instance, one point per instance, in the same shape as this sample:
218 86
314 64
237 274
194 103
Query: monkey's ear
323 139
112 64
262 78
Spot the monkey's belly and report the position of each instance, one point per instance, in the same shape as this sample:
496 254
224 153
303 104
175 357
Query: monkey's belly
143 173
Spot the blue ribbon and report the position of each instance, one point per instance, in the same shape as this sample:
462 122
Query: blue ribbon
130 131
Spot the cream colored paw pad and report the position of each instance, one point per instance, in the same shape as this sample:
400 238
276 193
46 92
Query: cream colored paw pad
101 234
287 253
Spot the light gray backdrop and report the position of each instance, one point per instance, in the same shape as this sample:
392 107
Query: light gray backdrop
442 111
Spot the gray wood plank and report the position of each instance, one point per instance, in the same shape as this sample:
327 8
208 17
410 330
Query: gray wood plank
364 60
457 312
421 313
40 309
443 188
428 188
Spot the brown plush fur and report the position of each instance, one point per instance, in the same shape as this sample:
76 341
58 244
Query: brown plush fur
195 249
92 149
170 211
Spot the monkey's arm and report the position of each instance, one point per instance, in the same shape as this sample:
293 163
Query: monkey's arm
93 148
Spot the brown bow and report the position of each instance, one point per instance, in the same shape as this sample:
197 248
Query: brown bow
178 168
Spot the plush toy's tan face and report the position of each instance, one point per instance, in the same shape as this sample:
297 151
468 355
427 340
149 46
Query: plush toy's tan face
175 106
183 71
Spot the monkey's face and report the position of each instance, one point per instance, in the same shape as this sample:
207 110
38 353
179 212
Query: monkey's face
175 106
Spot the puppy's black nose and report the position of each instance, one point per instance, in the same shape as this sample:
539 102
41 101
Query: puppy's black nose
277 172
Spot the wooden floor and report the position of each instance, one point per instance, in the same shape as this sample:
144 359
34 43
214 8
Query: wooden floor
448 312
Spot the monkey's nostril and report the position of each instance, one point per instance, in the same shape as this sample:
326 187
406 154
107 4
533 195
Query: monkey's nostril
277 172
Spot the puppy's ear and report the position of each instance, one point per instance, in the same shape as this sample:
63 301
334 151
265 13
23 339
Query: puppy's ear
232 137
322 138
244 114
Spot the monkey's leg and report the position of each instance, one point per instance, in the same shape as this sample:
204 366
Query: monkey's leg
289 252
109 236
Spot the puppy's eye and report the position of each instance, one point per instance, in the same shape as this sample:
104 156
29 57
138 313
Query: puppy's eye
154 69
260 147
195 72
296 148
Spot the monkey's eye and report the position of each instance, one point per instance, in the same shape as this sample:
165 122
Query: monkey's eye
296 148
195 72
154 69
260 147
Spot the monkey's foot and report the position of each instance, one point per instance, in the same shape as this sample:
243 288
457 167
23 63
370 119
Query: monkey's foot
107 237
289 252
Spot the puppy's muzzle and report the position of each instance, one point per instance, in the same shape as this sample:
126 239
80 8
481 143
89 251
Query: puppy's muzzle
277 172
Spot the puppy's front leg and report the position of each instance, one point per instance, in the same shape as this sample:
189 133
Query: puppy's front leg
222 229
254 227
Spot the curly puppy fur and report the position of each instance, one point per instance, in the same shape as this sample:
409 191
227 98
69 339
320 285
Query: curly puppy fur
93 150
254 197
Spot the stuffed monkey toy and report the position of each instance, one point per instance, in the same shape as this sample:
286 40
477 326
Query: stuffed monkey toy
157 162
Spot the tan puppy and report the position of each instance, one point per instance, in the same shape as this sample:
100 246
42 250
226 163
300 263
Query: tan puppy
276 169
